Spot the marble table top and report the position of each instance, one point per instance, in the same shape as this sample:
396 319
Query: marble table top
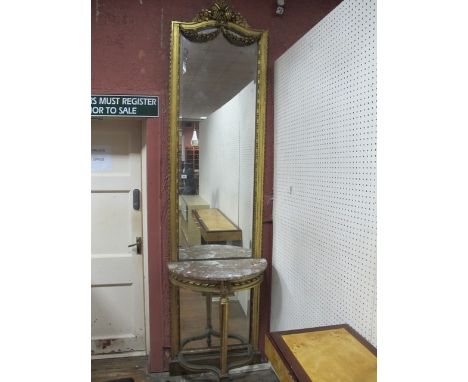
218 270
213 251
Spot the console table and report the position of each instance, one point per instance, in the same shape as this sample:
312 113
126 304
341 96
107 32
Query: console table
212 252
221 277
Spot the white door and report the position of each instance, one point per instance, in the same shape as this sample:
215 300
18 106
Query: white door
117 300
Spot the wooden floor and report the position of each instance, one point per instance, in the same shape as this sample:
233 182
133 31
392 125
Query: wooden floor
103 370
107 370
193 321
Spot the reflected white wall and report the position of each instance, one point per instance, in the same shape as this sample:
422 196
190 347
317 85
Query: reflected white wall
227 147
227 152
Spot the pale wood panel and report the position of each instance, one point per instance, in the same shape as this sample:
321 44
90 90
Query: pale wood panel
333 355
277 363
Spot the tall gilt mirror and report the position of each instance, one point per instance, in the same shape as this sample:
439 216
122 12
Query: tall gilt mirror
217 128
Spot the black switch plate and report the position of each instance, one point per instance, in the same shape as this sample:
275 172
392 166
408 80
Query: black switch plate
136 199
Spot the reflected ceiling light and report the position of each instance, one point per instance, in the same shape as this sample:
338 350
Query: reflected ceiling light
184 61
194 138
203 117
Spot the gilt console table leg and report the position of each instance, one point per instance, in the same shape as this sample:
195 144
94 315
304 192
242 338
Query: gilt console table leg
221 278
209 326
223 325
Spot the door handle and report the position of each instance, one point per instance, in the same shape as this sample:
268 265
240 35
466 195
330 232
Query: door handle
138 245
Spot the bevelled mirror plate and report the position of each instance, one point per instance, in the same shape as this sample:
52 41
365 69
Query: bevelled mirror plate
217 122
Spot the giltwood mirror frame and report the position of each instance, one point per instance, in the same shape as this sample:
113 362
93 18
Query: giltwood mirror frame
219 18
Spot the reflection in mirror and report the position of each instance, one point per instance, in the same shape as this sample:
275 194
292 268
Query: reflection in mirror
217 142
216 175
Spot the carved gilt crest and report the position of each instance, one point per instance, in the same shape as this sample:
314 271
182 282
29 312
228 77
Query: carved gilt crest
221 12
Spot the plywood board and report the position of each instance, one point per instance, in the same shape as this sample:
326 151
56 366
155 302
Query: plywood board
325 354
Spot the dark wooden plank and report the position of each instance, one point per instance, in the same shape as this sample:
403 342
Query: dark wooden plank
103 370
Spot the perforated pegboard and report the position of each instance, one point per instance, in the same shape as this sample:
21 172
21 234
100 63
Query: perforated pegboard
324 243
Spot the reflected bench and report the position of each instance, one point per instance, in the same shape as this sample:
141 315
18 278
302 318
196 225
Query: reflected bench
217 228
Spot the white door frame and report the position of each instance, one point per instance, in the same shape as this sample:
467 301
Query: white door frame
144 204
144 197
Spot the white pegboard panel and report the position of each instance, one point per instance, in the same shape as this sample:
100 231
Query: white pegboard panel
324 243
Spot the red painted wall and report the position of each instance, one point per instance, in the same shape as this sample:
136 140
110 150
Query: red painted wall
130 55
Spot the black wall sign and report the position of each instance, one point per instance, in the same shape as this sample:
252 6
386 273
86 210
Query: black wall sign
107 105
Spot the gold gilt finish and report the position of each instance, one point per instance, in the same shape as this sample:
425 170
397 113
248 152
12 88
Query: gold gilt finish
222 14
236 30
234 33
212 287
223 288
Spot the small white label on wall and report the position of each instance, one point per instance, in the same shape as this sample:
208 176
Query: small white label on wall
101 159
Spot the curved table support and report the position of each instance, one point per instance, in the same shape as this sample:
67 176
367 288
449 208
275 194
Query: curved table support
221 277
209 331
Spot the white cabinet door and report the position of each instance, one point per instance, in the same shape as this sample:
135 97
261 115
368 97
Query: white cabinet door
117 300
